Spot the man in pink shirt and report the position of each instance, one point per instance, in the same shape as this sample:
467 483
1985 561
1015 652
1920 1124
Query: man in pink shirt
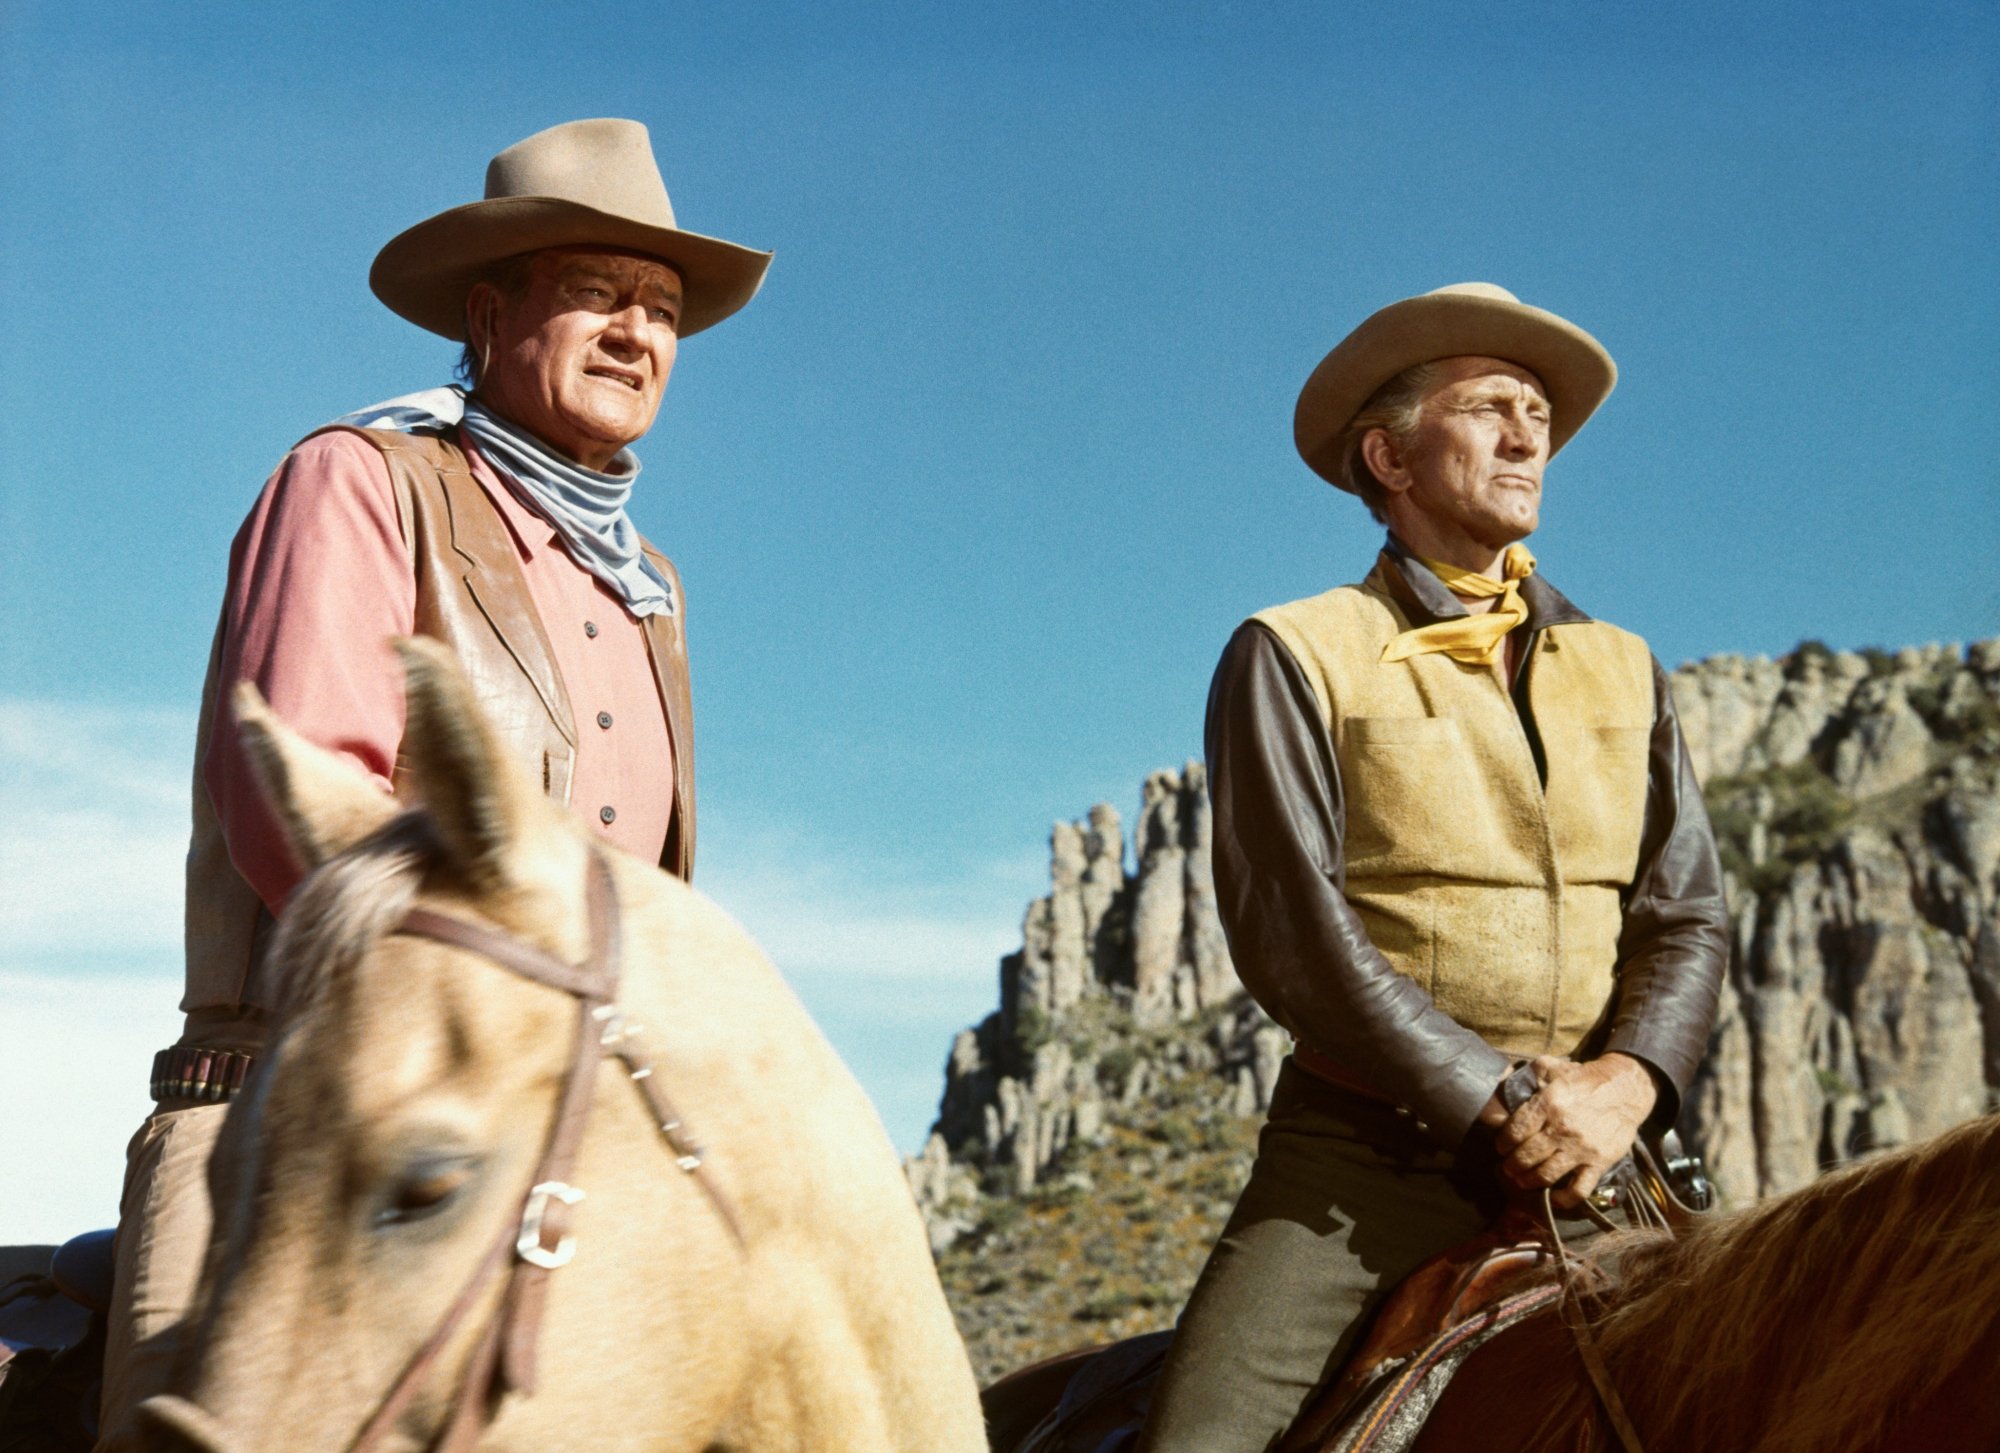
493 520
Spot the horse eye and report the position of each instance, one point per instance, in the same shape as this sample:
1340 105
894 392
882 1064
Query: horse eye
424 1189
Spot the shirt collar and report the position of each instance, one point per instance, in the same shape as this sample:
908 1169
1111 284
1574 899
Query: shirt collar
1425 600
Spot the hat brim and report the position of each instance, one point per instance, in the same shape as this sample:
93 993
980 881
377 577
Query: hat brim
425 273
1576 371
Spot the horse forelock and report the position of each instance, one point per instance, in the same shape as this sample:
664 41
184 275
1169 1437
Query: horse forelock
348 905
1811 1320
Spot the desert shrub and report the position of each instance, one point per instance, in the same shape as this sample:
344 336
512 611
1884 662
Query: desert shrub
1808 812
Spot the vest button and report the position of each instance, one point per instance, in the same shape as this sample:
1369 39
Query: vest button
590 629
604 720
607 815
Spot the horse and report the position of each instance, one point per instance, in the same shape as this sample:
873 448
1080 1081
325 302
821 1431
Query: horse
1859 1313
487 1189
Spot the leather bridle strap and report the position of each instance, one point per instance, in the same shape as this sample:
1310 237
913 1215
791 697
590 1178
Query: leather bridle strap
1577 1318
411 1380
537 1241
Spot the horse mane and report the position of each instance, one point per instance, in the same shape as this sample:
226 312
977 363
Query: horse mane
1806 1323
348 903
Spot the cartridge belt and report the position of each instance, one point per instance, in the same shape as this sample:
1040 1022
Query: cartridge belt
189 1072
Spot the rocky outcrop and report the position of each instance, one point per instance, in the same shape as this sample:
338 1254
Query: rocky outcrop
1096 1007
1854 797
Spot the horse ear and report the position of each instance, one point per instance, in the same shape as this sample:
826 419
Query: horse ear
484 806
324 803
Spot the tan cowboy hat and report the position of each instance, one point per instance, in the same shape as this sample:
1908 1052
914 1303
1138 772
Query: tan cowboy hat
581 184
1465 319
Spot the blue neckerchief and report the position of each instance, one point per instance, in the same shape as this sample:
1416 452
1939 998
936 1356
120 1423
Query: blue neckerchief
586 508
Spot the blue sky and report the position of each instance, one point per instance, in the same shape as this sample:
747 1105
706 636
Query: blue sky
970 497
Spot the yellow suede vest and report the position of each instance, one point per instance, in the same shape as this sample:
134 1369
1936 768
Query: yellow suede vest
1500 897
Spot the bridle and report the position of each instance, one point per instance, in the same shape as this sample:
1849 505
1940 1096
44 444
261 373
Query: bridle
539 1241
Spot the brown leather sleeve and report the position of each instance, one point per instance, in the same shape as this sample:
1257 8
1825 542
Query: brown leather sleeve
1298 945
1675 942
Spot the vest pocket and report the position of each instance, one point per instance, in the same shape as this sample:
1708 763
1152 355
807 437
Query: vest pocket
1401 731
1414 800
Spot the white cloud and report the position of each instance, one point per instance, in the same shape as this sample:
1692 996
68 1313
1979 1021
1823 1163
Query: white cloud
93 830
73 1084
820 910
817 926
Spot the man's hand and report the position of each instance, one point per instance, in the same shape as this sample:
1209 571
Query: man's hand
1580 1123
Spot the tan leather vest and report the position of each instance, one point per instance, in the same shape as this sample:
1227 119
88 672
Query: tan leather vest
471 595
1501 897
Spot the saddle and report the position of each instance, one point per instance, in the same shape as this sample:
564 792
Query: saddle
1094 1400
1435 1315
52 1345
1657 1187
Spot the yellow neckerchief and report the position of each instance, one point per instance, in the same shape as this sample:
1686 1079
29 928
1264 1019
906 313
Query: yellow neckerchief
1475 640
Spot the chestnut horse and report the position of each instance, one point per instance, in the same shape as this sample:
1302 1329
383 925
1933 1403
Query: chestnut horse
485 1010
1860 1314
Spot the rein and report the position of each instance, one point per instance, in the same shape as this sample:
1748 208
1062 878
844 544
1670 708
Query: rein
1576 1317
539 1241
1647 1195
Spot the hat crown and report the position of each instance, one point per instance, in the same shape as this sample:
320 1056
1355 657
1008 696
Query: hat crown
606 165
1474 290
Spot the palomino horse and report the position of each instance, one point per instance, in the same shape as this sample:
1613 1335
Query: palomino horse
401 1256
1860 1314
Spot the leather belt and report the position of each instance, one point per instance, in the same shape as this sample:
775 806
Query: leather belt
1322 1066
189 1072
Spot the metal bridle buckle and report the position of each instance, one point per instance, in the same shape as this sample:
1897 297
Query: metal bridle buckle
528 1245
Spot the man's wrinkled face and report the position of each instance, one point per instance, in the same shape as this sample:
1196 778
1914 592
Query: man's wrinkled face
581 358
1474 462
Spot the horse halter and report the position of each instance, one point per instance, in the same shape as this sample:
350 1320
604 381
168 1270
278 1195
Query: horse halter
539 1241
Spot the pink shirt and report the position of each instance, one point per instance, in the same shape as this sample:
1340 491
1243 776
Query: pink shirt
319 582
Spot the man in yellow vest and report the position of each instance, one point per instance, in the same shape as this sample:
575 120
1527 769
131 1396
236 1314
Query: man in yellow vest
1455 831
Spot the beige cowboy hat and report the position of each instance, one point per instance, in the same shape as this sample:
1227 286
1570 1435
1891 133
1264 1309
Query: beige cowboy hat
1465 319
581 184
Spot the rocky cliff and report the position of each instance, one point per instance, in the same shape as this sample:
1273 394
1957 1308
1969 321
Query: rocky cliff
1854 799
1094 1128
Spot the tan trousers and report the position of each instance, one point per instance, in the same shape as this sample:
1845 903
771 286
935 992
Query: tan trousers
163 1222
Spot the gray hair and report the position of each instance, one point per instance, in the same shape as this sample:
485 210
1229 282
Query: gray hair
1393 408
510 277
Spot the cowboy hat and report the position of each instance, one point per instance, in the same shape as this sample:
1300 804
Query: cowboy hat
1465 319
581 184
